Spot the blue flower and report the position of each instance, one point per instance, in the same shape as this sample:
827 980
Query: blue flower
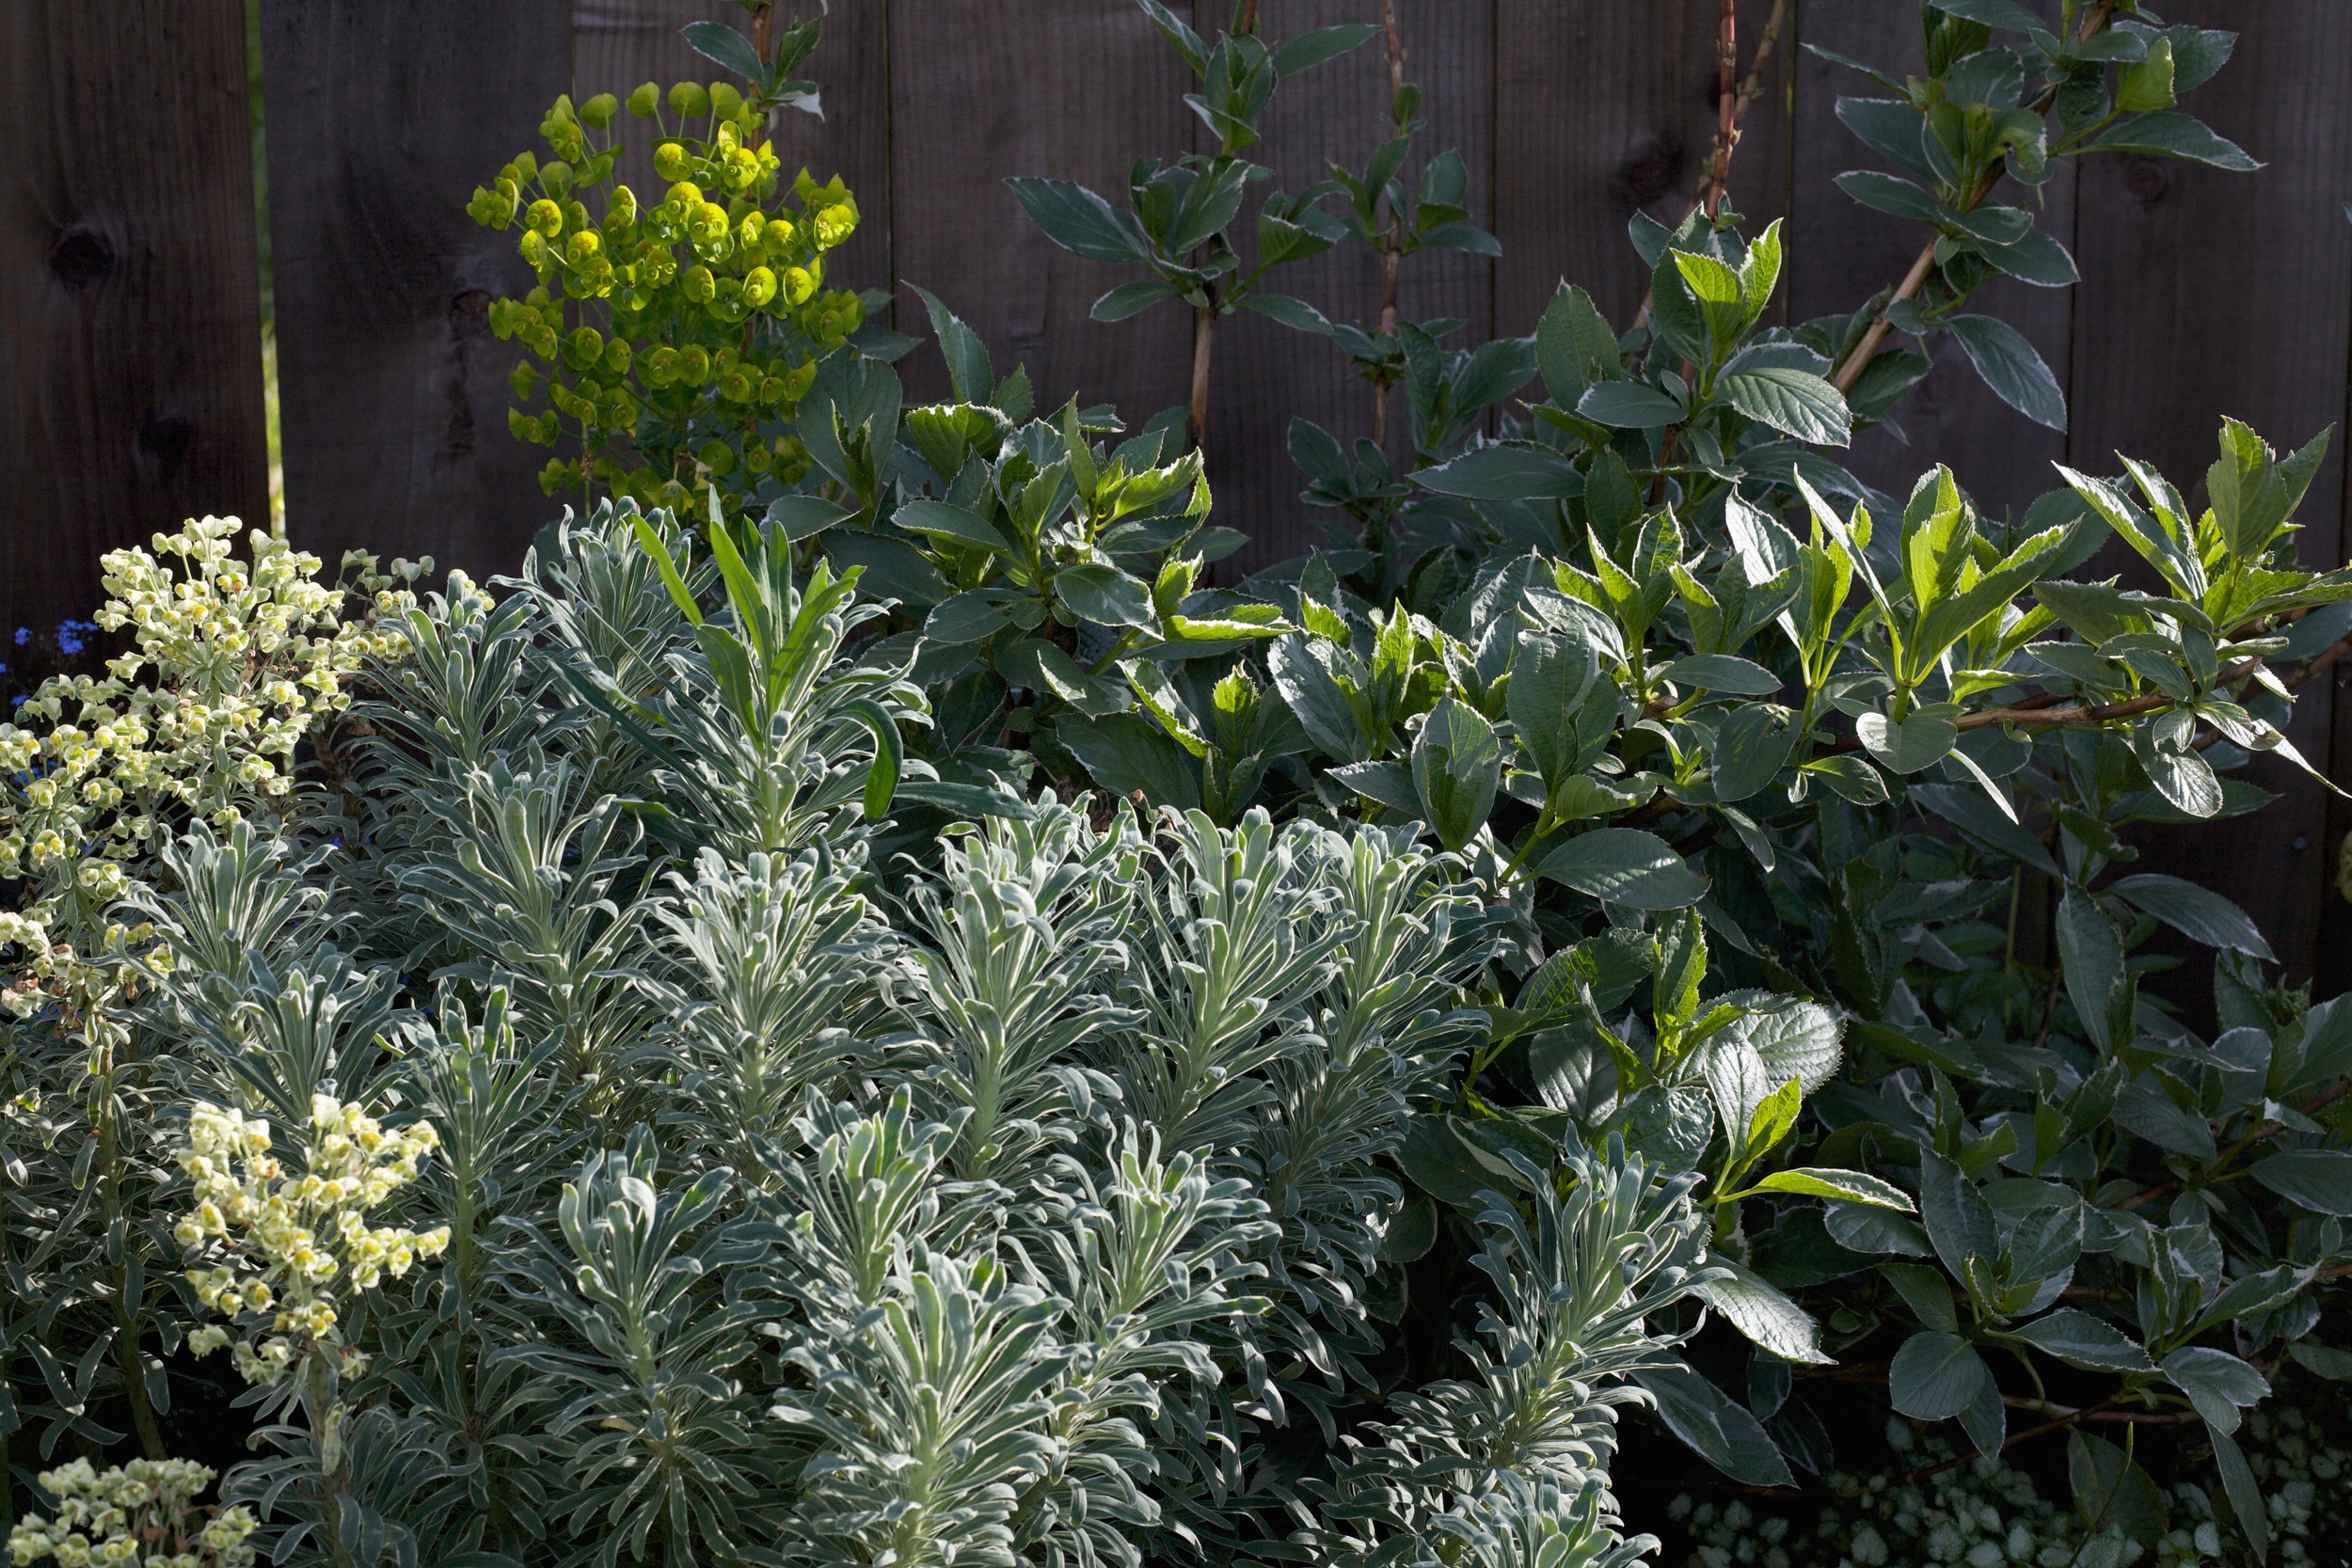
24 635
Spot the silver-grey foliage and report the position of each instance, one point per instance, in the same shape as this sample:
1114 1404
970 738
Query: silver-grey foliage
1007 1203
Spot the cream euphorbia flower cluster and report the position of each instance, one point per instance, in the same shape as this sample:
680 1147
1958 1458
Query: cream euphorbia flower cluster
290 1246
232 662
142 1514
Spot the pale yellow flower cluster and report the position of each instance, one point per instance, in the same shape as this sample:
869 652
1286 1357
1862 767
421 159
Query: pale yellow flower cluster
142 1514
290 1244
48 973
232 662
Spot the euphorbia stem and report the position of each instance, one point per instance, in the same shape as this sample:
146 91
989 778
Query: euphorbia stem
1204 324
134 1384
127 1316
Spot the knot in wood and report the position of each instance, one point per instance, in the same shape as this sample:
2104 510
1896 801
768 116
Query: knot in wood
80 258
1651 171
2147 178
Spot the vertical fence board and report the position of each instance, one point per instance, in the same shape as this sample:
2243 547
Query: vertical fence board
1073 90
851 67
383 115
1841 253
129 336
1265 372
2213 293
1604 109
618 43
130 313
2332 939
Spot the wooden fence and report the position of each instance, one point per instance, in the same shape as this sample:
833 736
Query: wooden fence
130 383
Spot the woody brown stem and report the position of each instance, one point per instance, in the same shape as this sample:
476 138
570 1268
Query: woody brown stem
2086 1413
1913 280
1203 323
1726 104
2293 682
1665 457
1727 118
1754 83
1879 325
2037 711
2319 661
763 22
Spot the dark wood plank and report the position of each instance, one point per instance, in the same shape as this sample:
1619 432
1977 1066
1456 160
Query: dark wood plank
1602 109
130 303
1841 253
619 43
1073 90
2213 293
383 117
2331 937
1265 373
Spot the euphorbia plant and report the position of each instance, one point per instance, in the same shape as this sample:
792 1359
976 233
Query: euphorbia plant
677 335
